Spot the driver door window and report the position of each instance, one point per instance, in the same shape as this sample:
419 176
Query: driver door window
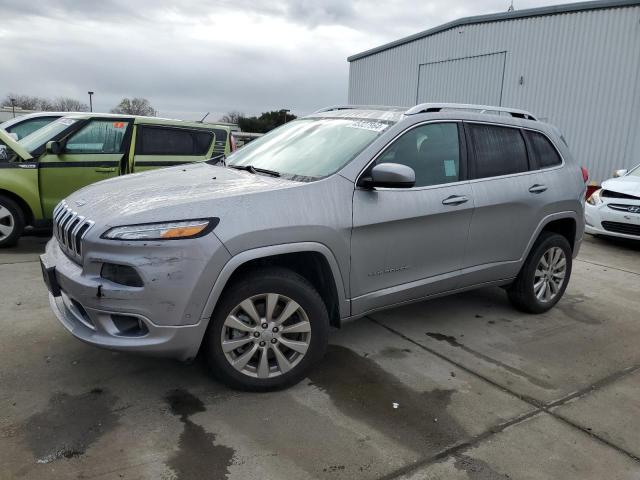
98 136
431 150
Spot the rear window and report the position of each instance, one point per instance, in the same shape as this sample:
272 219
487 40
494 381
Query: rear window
543 151
498 150
173 141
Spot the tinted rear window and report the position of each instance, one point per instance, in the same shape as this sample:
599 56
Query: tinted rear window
543 151
173 141
498 150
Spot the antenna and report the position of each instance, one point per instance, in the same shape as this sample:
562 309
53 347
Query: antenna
511 9
202 120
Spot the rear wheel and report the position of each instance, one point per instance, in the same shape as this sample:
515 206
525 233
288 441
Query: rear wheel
11 222
544 275
267 331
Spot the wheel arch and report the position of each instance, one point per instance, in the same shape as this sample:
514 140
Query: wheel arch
26 208
563 223
312 260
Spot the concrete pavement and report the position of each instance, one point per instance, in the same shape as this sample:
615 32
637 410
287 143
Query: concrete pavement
462 387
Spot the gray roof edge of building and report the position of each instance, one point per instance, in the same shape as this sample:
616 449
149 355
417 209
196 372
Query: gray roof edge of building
501 16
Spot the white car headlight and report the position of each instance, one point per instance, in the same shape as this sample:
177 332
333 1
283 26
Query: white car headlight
595 198
162 231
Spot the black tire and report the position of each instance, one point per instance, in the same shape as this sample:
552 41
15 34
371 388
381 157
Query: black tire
521 291
254 283
15 221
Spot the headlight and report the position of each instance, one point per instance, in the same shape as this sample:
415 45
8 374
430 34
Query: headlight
595 199
162 231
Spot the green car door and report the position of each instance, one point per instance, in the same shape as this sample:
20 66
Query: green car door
94 152
163 146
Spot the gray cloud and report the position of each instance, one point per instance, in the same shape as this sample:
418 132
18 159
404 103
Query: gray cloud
195 56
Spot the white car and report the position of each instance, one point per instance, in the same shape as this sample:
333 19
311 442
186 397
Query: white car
614 210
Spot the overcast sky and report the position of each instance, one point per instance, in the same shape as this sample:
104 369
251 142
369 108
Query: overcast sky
192 56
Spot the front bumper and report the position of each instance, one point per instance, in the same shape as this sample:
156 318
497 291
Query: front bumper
596 214
167 310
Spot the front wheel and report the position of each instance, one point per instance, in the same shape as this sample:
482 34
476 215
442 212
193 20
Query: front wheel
268 330
11 222
544 275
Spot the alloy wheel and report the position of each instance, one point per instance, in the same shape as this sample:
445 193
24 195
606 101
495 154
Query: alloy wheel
7 223
266 335
550 274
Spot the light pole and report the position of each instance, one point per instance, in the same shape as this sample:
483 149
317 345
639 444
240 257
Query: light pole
285 111
90 102
13 106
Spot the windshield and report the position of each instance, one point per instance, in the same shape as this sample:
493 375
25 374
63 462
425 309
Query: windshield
311 148
38 138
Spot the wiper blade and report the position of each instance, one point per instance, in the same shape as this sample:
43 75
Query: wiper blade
254 170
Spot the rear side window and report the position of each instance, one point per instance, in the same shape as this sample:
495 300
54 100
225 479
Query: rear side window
543 151
173 141
498 150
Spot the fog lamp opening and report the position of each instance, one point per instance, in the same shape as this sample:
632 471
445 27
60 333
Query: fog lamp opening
121 274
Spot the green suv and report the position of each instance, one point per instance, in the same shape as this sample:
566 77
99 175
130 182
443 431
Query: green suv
74 151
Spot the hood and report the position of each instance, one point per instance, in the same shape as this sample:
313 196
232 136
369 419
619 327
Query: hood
13 145
629 185
168 194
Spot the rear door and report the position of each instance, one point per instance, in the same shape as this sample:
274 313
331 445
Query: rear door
510 200
94 152
408 243
163 146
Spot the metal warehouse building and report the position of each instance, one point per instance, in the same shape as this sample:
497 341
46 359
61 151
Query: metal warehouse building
575 65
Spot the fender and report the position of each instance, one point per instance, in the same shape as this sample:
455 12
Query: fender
550 218
20 179
272 250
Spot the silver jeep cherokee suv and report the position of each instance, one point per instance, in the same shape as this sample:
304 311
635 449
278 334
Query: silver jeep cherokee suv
330 217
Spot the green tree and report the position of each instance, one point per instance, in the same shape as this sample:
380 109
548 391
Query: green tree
265 122
135 106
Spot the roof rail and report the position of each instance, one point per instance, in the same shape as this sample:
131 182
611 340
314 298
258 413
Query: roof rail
437 107
358 107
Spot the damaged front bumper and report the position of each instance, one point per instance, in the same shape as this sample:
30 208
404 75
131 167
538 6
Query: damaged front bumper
163 317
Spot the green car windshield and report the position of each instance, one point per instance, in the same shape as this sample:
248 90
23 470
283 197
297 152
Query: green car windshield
309 148
38 138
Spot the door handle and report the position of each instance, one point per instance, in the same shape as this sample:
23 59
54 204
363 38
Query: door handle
105 169
537 188
455 200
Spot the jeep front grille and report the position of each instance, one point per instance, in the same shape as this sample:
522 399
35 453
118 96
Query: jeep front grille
69 229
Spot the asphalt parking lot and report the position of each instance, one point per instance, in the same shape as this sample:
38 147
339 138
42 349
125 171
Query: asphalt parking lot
462 387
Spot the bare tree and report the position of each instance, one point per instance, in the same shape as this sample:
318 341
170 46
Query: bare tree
232 117
135 106
66 104
27 102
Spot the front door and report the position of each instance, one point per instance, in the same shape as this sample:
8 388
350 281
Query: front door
93 153
409 243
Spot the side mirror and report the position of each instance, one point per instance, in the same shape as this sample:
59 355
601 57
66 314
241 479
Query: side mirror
390 175
54 147
620 173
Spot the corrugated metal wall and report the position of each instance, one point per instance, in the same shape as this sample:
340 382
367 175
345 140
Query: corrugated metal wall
580 71
463 80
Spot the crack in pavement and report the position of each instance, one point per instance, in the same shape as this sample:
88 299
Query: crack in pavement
539 407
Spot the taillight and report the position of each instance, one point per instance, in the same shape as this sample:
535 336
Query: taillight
234 147
585 174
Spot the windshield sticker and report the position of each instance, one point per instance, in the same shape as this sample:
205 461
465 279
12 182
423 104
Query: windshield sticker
367 125
118 124
66 121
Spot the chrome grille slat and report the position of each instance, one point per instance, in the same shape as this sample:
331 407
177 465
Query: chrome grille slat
69 229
